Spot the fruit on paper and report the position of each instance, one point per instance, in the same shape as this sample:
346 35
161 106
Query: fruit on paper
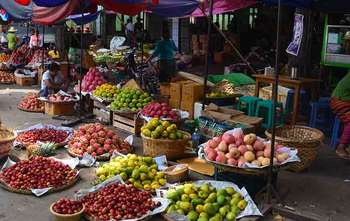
42 135
142 172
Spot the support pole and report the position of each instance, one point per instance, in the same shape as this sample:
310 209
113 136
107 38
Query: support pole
43 48
143 36
270 188
210 23
81 65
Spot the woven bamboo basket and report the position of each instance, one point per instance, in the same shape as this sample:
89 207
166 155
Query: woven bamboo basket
174 176
66 217
173 149
6 139
307 140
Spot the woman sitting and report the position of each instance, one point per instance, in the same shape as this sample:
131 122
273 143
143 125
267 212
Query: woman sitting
52 81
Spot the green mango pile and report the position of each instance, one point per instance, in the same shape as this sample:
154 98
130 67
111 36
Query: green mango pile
205 202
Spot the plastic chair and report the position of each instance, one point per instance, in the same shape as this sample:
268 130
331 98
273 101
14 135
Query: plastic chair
264 109
321 114
336 132
304 100
248 104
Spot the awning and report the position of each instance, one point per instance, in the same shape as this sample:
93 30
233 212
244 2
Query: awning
222 6
174 8
84 19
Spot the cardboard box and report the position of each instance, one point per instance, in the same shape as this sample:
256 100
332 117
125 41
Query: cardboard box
175 103
61 109
165 89
24 81
191 93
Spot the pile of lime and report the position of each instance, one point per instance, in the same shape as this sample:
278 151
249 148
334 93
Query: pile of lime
106 91
205 202
141 172
130 99
161 129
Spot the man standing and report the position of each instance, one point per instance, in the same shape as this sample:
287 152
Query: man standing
129 32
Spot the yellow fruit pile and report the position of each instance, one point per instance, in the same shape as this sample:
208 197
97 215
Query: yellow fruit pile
137 170
161 129
106 91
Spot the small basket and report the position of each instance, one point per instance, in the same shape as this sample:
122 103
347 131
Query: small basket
67 217
173 149
178 175
6 143
305 139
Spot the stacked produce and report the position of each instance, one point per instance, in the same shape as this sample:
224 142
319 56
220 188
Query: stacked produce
118 202
43 149
38 57
159 129
130 99
59 98
20 56
7 77
67 206
139 171
31 103
237 149
160 110
91 80
96 140
4 57
106 91
37 173
42 135
205 202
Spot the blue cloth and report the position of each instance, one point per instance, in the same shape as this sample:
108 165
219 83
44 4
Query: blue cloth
17 12
87 18
174 8
49 3
165 49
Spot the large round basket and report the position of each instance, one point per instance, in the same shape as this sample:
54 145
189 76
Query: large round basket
6 140
173 149
307 140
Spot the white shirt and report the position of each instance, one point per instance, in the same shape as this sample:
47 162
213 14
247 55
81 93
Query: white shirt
129 27
47 76
3 38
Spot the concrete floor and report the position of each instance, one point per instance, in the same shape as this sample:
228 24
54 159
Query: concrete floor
323 190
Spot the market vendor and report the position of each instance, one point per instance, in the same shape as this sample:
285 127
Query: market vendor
3 39
53 53
340 104
53 81
35 39
165 50
12 38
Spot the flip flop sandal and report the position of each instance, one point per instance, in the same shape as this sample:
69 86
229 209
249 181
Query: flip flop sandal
342 155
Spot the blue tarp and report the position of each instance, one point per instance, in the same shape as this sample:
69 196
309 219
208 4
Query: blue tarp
174 8
17 12
87 18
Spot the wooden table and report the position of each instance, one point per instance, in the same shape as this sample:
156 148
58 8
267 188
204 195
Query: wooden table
286 81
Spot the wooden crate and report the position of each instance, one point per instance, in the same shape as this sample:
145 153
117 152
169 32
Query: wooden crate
101 112
24 81
131 123
61 109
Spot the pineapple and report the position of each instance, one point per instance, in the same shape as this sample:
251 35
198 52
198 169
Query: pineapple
45 149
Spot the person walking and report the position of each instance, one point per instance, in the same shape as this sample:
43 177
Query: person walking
12 38
129 32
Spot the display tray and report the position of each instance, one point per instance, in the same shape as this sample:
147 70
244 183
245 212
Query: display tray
32 111
28 192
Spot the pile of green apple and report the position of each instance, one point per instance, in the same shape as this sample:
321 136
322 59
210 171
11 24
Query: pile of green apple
205 202
141 172
161 129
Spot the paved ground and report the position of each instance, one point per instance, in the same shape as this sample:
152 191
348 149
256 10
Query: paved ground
323 190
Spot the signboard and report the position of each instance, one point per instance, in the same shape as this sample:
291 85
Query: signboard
294 46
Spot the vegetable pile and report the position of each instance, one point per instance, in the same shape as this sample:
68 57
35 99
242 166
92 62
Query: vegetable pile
139 171
97 140
118 201
38 173
42 135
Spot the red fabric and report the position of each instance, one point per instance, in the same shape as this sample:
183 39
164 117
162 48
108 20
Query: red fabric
22 2
126 9
47 16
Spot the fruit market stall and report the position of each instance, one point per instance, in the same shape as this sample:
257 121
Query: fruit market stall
31 103
60 103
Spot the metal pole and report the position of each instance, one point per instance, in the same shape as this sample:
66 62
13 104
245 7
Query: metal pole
143 36
43 48
270 187
81 64
210 23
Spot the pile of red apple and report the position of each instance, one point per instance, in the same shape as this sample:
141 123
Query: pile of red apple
92 80
67 206
236 149
38 173
160 110
42 135
97 140
31 103
118 202
58 98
